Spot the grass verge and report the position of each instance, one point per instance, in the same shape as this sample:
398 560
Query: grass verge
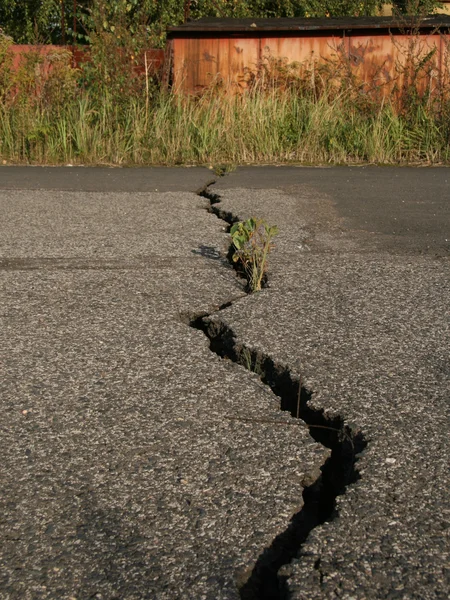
68 117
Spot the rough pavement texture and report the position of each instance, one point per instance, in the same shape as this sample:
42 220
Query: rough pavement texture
361 311
407 209
106 179
122 475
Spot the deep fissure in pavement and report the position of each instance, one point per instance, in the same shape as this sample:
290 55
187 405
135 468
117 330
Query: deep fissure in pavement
338 471
214 200
230 219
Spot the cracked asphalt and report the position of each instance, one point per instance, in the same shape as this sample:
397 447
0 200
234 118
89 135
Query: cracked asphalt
358 305
122 473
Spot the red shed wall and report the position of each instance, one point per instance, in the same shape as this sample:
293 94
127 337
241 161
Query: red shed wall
198 62
374 56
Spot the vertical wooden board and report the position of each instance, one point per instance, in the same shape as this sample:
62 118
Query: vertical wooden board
200 62
206 51
416 61
195 63
384 60
444 60
238 59
178 71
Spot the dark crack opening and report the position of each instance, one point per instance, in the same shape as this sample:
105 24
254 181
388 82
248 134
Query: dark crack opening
214 201
338 471
230 219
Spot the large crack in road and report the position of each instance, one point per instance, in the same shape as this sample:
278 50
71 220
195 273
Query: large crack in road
266 581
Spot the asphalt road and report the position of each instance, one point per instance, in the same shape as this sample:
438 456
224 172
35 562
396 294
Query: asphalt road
410 207
409 203
358 308
105 179
131 466
138 464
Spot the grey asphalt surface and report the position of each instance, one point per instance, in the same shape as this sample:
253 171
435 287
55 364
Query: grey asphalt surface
403 208
106 179
358 305
122 474
126 472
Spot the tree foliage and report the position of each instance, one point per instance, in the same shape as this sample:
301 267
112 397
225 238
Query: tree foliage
44 21
28 21
416 7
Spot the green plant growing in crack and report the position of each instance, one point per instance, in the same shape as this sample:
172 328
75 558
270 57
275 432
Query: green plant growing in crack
252 241
251 363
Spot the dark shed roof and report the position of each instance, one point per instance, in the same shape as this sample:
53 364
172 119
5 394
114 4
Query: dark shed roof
210 25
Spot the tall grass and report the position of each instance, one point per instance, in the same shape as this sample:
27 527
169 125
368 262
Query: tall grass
68 121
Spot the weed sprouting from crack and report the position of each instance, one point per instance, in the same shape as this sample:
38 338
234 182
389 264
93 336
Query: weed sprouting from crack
252 243
251 363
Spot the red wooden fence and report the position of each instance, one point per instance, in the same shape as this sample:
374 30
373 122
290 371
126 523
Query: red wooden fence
151 59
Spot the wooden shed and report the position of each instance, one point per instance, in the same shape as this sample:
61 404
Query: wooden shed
228 50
